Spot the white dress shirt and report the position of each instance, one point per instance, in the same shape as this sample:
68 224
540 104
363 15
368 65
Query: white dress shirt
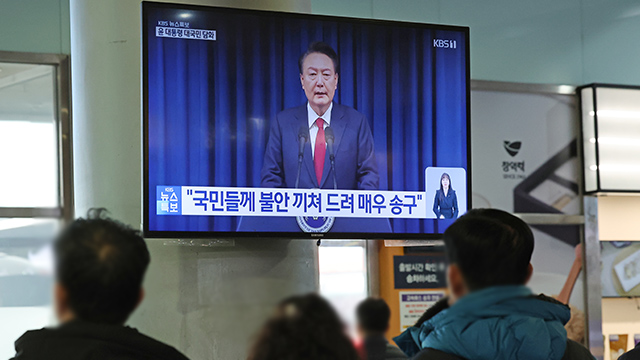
313 128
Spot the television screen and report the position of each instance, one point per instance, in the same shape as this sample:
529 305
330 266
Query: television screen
278 124
620 268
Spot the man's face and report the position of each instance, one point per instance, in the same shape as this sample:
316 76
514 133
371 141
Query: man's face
319 81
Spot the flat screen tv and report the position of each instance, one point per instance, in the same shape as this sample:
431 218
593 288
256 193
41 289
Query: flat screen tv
274 124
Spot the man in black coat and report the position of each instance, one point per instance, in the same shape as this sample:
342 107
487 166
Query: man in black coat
100 265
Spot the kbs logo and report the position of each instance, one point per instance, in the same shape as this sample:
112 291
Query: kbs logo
444 44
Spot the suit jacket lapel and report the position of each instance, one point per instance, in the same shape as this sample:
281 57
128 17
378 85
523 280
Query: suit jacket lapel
302 120
338 124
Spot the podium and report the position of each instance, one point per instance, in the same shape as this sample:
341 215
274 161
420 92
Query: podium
289 224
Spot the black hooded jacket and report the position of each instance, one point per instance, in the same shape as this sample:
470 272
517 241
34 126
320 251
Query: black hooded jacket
78 340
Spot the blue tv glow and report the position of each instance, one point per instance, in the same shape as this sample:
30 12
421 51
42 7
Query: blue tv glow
232 142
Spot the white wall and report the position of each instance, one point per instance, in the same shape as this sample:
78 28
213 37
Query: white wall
546 41
34 26
209 302
618 218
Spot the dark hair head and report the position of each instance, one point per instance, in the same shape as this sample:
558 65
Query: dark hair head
491 247
445 175
304 327
373 315
101 263
322 48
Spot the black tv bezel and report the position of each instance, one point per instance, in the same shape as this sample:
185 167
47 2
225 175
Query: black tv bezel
146 6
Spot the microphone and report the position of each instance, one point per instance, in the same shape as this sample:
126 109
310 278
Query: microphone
303 137
330 138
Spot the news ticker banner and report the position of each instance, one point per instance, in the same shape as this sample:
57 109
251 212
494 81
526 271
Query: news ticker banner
237 201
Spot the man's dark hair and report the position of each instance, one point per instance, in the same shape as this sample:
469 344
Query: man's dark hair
491 247
373 315
322 48
101 263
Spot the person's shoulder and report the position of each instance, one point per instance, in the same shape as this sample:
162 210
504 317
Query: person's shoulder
34 336
433 354
633 354
576 351
348 111
30 343
87 335
394 353
292 111
156 347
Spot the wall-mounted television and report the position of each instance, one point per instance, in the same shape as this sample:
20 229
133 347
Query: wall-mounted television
620 268
274 124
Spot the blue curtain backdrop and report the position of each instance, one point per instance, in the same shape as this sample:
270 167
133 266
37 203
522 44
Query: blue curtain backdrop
210 102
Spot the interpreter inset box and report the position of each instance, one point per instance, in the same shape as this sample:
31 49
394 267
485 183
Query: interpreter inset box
446 192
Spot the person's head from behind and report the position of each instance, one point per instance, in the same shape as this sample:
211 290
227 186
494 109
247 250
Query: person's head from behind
485 248
303 327
100 265
372 315
319 68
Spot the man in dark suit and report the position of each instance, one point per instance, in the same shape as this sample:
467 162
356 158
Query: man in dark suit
100 265
355 162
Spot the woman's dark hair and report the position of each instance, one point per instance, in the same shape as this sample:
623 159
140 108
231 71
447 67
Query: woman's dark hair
444 175
304 327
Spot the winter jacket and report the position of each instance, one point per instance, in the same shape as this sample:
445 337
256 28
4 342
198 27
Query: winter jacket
503 322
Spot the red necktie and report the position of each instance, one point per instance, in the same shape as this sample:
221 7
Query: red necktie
320 149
